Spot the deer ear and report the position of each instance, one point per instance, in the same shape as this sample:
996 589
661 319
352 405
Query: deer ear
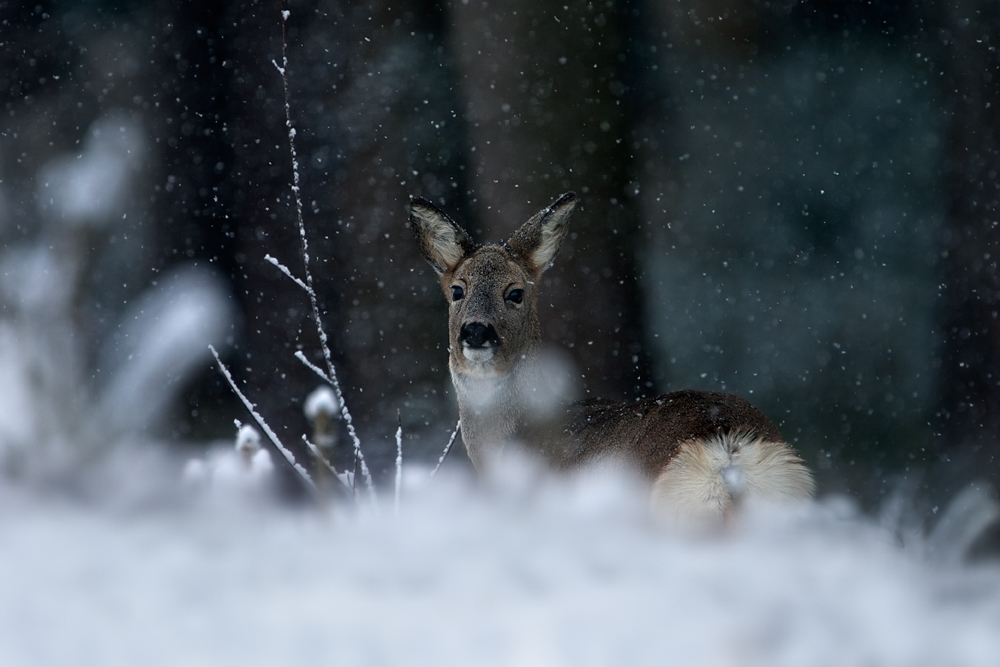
442 242
538 240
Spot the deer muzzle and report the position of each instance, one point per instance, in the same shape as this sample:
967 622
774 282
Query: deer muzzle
479 341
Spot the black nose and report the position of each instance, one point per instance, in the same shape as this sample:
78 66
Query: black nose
477 334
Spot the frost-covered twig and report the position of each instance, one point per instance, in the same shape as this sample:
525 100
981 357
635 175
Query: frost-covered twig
354 474
271 435
399 460
444 454
343 477
284 269
307 285
313 367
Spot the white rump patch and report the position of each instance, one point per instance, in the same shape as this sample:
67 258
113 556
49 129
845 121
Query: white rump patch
708 478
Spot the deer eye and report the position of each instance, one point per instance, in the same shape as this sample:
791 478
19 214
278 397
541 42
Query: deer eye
515 296
457 293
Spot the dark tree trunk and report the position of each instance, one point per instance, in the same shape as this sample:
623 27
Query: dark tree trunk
222 191
970 375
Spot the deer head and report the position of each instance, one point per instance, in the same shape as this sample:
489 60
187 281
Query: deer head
493 289
493 329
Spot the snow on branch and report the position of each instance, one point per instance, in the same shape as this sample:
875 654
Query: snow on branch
307 284
313 367
345 478
345 413
399 460
271 435
284 269
447 448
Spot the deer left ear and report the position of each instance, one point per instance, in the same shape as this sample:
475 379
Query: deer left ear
442 242
538 240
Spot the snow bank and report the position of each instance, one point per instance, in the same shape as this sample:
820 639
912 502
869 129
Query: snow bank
565 574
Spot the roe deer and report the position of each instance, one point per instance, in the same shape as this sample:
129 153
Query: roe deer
702 451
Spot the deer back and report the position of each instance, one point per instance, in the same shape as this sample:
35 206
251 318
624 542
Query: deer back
649 433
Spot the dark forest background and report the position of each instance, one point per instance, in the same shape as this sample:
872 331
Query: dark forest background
794 201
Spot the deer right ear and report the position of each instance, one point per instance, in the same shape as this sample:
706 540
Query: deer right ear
538 240
442 242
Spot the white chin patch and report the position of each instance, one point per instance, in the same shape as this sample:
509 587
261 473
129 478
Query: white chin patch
479 355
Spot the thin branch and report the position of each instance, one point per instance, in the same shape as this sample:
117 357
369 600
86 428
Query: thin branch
399 460
343 477
313 367
284 269
354 475
281 449
444 454
309 288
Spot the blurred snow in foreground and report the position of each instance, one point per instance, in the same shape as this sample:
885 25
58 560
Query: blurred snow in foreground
85 376
566 573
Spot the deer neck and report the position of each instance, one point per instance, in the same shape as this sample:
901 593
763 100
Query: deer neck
492 410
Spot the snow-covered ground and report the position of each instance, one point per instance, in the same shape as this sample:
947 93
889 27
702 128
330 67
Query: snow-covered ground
562 573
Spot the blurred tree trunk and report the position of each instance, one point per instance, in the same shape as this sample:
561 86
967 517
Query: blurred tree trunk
545 104
382 126
224 183
971 244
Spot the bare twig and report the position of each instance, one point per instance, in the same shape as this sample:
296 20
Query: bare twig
284 269
354 475
307 285
447 448
313 367
281 449
343 477
399 460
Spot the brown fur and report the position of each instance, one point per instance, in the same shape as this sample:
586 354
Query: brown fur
635 431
